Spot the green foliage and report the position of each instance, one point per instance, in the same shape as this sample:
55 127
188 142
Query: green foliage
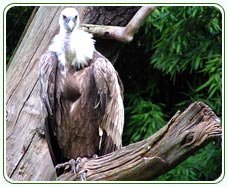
16 19
174 60
187 36
144 116
188 40
204 169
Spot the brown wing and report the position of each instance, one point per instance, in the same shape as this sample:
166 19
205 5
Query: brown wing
47 78
111 103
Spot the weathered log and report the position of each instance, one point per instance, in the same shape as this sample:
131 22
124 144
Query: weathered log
25 150
145 160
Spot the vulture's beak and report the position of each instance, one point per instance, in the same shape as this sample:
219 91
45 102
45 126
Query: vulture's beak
71 25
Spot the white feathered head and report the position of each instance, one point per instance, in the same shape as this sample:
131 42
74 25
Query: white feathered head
69 19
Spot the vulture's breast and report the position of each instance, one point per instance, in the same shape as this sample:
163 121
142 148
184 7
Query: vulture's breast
77 116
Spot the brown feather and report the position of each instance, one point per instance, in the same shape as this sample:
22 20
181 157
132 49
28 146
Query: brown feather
107 83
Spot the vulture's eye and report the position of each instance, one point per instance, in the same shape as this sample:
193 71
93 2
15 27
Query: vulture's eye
76 17
64 17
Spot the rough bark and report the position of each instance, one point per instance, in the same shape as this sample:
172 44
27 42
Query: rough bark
27 156
25 150
185 133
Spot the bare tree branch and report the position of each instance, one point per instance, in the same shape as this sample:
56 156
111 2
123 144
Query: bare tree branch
152 157
123 34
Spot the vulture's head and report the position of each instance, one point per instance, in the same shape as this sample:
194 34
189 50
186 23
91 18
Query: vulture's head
69 19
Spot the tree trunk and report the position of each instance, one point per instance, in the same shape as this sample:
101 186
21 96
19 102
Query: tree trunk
27 155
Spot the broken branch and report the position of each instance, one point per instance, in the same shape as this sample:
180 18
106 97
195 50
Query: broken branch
150 158
123 34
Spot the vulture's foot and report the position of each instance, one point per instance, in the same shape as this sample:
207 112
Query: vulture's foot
66 165
95 156
74 165
83 175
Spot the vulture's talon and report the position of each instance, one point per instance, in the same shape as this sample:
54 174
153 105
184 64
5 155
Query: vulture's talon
77 164
95 156
66 165
74 165
83 175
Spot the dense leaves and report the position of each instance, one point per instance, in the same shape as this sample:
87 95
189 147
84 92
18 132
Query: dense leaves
175 59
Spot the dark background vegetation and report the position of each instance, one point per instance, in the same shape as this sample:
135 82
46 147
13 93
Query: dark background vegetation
174 60
16 20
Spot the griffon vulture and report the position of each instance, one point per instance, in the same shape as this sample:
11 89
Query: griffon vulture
81 93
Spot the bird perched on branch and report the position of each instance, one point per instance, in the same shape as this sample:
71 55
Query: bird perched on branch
82 95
